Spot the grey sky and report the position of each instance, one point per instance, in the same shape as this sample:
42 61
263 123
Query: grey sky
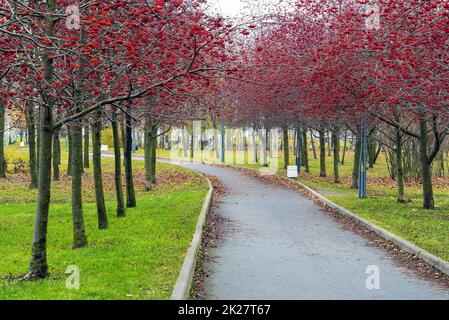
230 8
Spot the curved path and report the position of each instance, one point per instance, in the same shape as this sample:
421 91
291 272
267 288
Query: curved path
280 245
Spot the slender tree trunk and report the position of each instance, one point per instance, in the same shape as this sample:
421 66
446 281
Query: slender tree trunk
79 231
56 154
286 148
86 146
123 131
344 149
38 264
312 141
150 153
192 145
356 167
371 152
38 138
336 143
254 142
322 154
185 142
98 180
130 194
69 137
2 141
399 168
216 137
31 129
118 167
428 198
306 150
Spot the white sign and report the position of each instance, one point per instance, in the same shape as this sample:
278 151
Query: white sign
104 147
292 172
22 144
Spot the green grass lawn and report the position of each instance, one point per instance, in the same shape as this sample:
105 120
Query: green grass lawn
138 257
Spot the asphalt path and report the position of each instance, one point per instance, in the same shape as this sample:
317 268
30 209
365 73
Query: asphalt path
281 245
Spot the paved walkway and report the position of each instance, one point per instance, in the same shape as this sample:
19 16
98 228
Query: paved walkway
281 246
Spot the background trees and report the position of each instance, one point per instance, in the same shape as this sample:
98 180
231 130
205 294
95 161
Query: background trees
357 65
66 73
321 70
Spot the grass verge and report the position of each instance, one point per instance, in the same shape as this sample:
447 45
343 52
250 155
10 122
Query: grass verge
138 257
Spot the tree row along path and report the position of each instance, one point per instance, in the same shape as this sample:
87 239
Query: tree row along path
281 245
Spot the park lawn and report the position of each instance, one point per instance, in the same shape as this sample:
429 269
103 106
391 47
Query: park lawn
161 153
426 229
138 257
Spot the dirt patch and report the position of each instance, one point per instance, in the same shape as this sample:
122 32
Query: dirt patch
414 264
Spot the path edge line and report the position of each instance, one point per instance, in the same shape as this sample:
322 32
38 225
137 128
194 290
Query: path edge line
405 245
184 282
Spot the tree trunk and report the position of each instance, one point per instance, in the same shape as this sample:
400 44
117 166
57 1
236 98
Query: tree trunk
56 154
86 146
31 129
192 145
38 264
122 130
344 149
312 141
150 153
336 143
69 137
399 168
254 143
216 137
371 152
306 150
356 167
185 142
130 194
98 180
79 231
2 140
264 153
428 199
118 167
322 154
38 138
286 148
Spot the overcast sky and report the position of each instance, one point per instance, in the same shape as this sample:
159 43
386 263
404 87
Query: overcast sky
229 8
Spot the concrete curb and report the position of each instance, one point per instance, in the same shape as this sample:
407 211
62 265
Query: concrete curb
434 261
185 278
